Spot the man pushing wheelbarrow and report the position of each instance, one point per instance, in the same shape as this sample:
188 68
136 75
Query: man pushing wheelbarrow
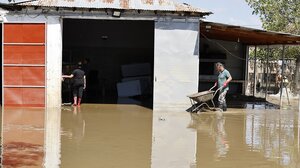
201 99
224 78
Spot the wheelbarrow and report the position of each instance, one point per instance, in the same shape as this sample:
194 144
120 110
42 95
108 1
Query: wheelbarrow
201 99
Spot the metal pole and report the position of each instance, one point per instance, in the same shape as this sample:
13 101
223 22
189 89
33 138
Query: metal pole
267 81
297 77
282 69
298 127
299 102
246 80
254 73
254 76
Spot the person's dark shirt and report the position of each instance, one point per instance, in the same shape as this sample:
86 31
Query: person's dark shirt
78 76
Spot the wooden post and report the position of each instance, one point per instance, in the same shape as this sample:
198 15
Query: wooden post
282 69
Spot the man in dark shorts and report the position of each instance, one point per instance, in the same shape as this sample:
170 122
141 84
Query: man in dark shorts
79 83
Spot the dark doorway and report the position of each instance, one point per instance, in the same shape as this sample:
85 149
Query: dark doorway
118 58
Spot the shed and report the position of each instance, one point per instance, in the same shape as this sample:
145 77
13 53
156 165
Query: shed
112 34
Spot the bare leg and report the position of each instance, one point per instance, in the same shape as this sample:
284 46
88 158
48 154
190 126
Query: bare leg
79 102
75 101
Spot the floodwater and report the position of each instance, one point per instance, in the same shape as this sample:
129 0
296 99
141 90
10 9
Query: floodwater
131 136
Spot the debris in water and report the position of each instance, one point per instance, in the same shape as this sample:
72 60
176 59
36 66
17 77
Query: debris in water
162 119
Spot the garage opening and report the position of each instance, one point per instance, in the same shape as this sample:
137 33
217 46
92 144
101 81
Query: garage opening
213 51
233 56
117 57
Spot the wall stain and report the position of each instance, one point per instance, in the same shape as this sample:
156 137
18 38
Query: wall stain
124 4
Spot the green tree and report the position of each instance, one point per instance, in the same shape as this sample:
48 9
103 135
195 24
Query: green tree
278 15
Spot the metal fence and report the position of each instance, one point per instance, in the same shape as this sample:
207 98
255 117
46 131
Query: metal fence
273 78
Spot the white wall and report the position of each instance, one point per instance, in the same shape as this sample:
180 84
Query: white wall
54 53
176 64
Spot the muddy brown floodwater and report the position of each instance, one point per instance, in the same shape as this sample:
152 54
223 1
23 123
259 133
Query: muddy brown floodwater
131 136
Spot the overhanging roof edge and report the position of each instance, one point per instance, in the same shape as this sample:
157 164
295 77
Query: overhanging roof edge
227 32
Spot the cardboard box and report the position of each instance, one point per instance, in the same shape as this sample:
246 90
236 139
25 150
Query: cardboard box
129 88
145 82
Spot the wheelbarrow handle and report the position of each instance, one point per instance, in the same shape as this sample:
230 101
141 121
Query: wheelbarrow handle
220 88
212 87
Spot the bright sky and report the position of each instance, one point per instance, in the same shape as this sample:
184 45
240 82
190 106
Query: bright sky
236 12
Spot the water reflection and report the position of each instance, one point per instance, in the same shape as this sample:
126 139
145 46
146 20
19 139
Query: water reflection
52 138
173 145
212 126
106 136
23 138
276 135
76 129
131 136
251 139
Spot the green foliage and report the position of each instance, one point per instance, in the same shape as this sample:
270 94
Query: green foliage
280 16
291 52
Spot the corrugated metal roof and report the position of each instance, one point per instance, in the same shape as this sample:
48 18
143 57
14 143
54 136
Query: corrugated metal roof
148 5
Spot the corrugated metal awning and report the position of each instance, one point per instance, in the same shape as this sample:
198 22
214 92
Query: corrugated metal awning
146 5
248 36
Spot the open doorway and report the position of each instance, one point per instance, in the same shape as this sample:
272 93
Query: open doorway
117 57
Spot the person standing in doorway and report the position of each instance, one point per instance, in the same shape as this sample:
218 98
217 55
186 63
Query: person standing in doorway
79 84
224 78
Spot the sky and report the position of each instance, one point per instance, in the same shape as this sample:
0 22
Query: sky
236 12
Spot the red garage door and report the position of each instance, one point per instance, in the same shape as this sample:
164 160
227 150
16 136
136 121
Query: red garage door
24 64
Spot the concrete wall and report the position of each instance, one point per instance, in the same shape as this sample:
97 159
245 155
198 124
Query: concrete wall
175 64
53 54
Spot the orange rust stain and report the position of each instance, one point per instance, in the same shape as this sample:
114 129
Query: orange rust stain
185 8
150 2
124 4
165 2
107 1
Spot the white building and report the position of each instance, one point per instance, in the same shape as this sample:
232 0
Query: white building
38 36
